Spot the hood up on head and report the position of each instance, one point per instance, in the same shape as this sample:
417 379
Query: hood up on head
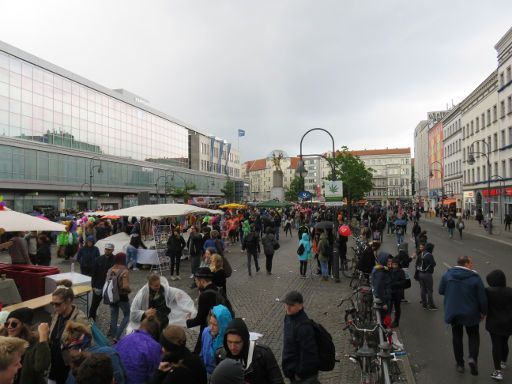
429 247
383 258
223 317
305 237
497 278
228 371
237 327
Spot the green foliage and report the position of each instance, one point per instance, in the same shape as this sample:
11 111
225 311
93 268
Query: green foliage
296 186
182 192
229 190
357 179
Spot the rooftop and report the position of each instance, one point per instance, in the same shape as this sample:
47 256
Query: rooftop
386 151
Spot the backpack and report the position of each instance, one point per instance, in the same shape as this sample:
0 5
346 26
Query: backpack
222 300
325 346
301 250
111 287
326 248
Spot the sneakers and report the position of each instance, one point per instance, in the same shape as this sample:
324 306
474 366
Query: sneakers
472 367
503 365
432 308
497 375
460 368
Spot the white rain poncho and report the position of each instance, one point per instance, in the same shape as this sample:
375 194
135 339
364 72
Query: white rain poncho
178 301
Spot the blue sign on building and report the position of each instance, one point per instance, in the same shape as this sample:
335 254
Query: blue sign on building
305 195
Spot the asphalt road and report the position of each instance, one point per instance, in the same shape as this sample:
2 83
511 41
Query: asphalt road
426 336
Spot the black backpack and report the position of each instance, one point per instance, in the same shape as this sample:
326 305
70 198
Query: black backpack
301 250
324 345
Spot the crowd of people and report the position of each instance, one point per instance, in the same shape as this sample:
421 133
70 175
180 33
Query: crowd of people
149 343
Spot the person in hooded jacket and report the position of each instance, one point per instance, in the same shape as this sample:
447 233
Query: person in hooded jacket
87 256
323 255
269 243
381 280
303 259
368 258
398 284
228 371
465 305
179 365
499 319
213 335
262 368
425 265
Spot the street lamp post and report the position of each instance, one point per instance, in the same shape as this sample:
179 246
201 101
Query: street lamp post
440 170
502 189
92 167
471 161
301 169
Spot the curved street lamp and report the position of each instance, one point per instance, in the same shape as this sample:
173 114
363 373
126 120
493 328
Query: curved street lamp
471 160
92 167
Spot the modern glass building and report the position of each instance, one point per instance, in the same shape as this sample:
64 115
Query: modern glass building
65 139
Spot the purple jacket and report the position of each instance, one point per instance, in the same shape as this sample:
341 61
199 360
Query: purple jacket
141 355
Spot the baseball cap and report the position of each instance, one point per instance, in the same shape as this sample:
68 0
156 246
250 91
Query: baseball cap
109 246
293 297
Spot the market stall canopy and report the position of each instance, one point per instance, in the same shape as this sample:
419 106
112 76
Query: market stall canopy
274 204
233 206
12 221
161 210
120 241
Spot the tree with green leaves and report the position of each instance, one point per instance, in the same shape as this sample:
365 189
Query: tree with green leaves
296 186
229 190
182 193
357 179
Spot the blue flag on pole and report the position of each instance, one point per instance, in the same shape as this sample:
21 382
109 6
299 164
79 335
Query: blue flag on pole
241 133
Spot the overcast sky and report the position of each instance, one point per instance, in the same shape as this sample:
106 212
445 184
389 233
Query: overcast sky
367 71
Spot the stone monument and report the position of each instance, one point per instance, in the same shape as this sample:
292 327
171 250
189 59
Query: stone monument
277 191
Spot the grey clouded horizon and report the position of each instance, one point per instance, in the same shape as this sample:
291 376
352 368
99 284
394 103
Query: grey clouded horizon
367 71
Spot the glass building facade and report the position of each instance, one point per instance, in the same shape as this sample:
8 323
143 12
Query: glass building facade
39 105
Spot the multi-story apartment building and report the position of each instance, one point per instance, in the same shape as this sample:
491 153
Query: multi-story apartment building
435 161
69 143
257 174
479 120
452 158
391 174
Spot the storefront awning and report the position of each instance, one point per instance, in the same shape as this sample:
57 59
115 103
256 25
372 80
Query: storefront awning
449 201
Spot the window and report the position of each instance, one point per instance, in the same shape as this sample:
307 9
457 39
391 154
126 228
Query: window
477 123
508 74
471 127
488 117
495 141
509 104
495 168
483 120
503 169
494 113
484 168
489 142
463 133
502 79
502 109
477 173
503 142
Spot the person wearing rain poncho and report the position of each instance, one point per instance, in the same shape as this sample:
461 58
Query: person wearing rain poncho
169 305
213 335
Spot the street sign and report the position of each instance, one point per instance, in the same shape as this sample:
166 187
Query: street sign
305 195
333 190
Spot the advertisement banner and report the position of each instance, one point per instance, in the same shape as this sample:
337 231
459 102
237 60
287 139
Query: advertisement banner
333 190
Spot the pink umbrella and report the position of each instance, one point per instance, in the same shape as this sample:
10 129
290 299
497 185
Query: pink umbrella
344 230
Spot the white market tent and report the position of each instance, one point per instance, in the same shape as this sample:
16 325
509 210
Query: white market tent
162 210
12 221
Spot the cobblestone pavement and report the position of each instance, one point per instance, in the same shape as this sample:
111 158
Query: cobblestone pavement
255 299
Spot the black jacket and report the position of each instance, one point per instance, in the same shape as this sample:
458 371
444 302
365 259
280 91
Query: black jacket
268 242
425 262
195 244
252 243
263 368
175 245
366 262
207 300
300 353
188 369
99 273
499 301
398 282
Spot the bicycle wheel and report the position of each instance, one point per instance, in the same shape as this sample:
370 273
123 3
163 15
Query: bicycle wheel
369 372
347 268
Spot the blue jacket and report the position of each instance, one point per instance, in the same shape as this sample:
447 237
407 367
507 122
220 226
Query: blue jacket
210 345
464 296
117 364
307 247
381 279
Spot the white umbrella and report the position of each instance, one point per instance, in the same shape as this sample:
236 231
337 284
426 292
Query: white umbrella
12 221
160 210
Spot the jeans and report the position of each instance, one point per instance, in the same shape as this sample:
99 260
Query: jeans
95 303
195 261
116 331
396 303
399 238
324 267
268 262
473 341
499 350
131 254
303 267
175 262
427 288
276 232
450 232
250 256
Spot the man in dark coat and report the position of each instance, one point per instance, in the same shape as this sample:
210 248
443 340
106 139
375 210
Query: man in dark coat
99 276
381 280
300 359
195 247
425 265
175 245
87 256
465 305
208 298
251 244
499 319
262 368
270 244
